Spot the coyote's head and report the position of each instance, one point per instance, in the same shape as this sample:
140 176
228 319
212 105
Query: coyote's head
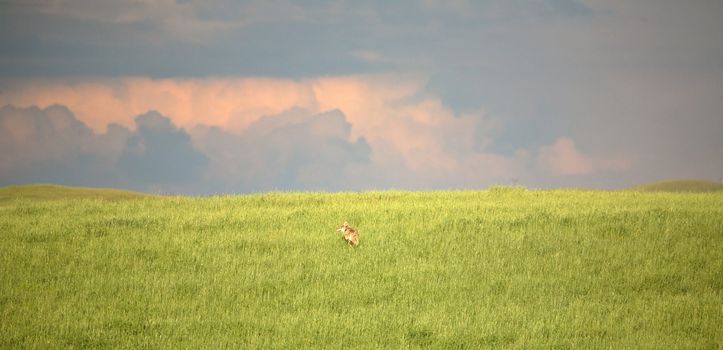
344 227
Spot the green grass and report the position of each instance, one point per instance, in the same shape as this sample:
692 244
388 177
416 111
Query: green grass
54 192
680 186
503 268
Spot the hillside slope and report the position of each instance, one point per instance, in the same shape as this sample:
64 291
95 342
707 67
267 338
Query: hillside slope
680 186
54 192
506 268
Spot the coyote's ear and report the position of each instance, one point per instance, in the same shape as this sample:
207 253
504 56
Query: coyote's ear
346 223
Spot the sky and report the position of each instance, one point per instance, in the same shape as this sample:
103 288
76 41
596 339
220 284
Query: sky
214 97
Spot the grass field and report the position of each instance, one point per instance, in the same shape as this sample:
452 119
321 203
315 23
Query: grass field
502 268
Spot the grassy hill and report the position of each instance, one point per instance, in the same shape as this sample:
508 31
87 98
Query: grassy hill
503 268
680 186
55 192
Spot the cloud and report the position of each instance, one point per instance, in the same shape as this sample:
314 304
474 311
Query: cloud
164 38
186 21
329 133
293 150
562 158
402 126
51 146
228 103
159 155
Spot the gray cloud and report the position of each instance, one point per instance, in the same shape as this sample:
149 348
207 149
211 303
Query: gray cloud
294 150
249 38
158 154
51 146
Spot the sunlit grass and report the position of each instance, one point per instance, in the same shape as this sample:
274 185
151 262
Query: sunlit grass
505 268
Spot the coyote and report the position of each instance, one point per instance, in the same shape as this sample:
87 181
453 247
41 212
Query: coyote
351 236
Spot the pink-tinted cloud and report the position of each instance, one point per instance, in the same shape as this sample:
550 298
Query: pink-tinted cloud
400 124
422 132
413 139
562 158
229 103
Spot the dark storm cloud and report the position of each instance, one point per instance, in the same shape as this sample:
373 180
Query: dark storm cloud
249 38
51 145
293 150
158 154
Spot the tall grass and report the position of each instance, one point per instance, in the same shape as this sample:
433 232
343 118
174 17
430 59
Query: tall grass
504 268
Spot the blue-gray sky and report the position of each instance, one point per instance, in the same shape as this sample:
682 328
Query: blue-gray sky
245 96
